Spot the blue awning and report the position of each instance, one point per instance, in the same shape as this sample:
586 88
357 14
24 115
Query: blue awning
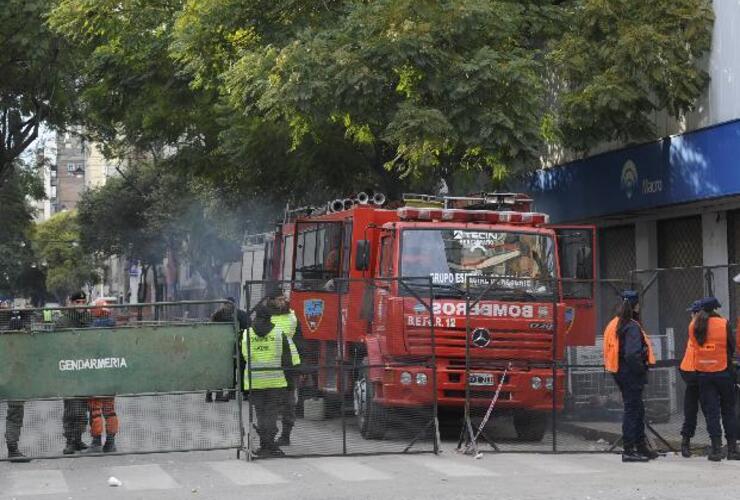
695 166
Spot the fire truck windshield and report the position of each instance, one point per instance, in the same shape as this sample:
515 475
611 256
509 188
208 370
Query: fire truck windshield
506 263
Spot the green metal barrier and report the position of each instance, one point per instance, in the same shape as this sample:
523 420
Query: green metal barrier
110 361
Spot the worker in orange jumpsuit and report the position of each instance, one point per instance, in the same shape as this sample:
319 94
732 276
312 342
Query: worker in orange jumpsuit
102 408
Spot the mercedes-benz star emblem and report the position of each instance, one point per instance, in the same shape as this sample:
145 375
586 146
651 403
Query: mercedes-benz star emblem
480 337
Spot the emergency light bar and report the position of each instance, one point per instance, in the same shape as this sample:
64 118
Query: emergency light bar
478 216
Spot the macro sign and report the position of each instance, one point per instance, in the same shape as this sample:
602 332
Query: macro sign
111 361
697 165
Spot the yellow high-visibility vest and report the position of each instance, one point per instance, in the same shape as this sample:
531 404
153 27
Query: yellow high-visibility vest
262 353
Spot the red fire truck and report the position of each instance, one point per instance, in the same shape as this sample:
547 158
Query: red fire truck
346 263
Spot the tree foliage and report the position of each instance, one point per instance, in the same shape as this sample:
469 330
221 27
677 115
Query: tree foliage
153 211
56 243
623 60
19 270
38 69
302 97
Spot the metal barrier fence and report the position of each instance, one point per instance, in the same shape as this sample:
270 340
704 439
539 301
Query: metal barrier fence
139 373
386 366
531 393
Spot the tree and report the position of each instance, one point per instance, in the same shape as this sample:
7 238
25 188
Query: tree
155 211
20 273
304 98
38 69
69 268
622 60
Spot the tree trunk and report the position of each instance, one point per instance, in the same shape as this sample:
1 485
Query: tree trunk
141 293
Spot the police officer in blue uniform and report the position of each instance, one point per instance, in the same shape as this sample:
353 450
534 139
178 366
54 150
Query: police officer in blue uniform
713 344
628 354
691 393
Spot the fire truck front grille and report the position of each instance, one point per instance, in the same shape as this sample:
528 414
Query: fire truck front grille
515 345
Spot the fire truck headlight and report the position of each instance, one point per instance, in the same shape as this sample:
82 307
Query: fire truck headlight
548 383
536 383
421 379
406 378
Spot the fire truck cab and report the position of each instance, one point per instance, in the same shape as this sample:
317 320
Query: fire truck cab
357 275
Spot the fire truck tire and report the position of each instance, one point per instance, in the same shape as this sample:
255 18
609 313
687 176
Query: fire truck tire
530 426
371 417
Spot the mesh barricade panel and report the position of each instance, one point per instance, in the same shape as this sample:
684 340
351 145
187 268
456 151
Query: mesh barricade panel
140 372
175 422
365 383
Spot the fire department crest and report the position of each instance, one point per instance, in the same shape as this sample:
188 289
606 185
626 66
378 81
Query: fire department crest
313 311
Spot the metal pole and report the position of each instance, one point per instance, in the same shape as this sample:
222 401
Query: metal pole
249 378
554 367
467 351
340 371
435 438
239 386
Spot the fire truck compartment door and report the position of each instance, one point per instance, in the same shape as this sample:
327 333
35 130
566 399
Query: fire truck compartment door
577 262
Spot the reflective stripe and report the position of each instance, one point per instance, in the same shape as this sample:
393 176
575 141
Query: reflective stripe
295 358
288 322
266 352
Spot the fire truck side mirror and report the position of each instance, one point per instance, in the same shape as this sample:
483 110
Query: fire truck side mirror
362 255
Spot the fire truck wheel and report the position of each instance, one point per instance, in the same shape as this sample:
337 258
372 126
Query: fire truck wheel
371 417
530 426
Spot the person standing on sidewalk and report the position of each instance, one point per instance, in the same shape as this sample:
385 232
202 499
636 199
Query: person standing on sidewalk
687 369
263 348
627 355
285 318
713 345
16 409
103 410
74 418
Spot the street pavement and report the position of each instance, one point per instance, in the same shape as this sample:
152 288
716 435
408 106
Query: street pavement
219 475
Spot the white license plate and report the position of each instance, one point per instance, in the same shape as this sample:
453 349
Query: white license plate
480 378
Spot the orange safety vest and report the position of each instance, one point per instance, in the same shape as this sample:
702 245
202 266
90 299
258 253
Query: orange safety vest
688 363
611 346
712 356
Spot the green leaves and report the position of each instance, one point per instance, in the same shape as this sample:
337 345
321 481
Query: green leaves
622 60
277 96
68 267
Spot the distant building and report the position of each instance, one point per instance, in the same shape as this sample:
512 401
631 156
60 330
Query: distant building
80 165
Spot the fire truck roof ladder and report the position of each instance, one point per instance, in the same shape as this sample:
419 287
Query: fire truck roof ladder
477 201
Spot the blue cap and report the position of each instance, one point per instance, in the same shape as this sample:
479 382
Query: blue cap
695 307
631 296
709 303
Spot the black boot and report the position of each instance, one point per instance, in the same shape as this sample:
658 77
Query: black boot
644 449
715 454
631 455
284 439
110 444
70 448
686 447
732 453
96 446
14 454
80 445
